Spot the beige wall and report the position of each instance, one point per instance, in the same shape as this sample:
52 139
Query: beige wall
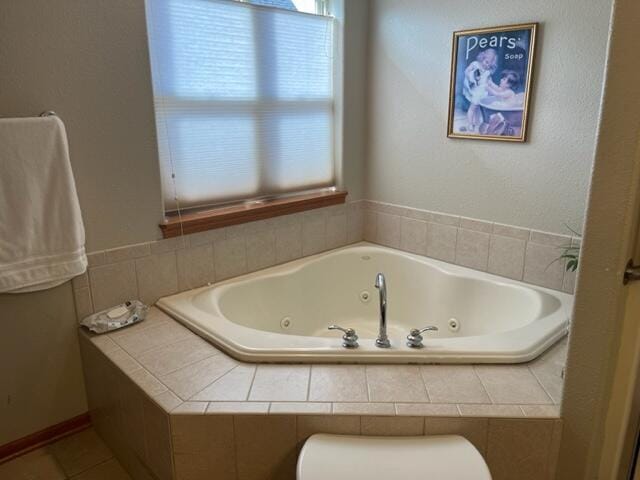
355 87
595 343
541 184
87 60
41 380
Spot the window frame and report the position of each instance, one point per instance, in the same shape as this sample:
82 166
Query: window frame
322 7
197 219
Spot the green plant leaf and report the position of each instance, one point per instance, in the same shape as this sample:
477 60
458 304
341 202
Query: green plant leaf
570 253
572 266
572 230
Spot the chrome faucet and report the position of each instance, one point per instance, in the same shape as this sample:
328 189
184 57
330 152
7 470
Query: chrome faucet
349 339
415 338
382 341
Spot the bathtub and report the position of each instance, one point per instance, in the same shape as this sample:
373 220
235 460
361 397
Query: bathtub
281 314
510 111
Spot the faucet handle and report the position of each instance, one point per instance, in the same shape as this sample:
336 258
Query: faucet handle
414 339
349 339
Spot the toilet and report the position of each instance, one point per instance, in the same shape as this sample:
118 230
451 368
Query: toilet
351 457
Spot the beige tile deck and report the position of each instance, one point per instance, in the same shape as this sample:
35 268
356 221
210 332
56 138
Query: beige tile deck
338 383
233 386
193 378
395 383
173 366
512 384
169 358
280 383
453 384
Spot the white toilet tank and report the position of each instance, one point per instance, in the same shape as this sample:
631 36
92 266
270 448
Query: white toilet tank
351 457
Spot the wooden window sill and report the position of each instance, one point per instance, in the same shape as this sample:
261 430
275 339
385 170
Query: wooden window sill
203 220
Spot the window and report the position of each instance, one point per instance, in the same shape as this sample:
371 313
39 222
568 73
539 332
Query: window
243 98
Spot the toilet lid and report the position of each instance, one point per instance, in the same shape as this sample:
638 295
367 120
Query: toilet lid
342 457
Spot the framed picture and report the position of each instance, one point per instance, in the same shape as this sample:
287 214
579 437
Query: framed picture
491 82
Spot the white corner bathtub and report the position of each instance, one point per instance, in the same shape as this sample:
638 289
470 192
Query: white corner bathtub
281 314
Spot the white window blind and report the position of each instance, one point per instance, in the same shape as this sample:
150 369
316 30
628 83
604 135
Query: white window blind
243 99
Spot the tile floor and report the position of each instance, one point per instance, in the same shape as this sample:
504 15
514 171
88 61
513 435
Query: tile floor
82 456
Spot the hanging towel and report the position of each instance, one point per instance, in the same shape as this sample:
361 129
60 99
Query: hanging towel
41 230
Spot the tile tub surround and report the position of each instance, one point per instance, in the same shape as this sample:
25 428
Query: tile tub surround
173 406
149 271
504 250
152 270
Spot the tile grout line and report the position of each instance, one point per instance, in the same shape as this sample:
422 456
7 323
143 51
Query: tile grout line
547 463
91 295
253 378
140 330
366 379
491 243
544 389
235 444
424 384
172 392
309 383
212 382
486 438
484 387
135 272
214 248
157 376
455 246
524 260
208 385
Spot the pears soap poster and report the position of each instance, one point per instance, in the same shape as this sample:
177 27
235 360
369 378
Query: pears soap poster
490 82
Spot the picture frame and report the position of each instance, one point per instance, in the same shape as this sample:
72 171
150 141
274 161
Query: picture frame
490 85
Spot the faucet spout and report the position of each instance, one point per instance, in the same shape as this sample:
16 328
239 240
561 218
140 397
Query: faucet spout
382 341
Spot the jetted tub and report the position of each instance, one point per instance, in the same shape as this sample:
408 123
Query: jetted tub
281 314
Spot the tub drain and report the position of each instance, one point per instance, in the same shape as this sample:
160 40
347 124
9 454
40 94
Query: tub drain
285 323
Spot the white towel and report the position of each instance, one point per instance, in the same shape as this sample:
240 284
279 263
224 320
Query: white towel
41 230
